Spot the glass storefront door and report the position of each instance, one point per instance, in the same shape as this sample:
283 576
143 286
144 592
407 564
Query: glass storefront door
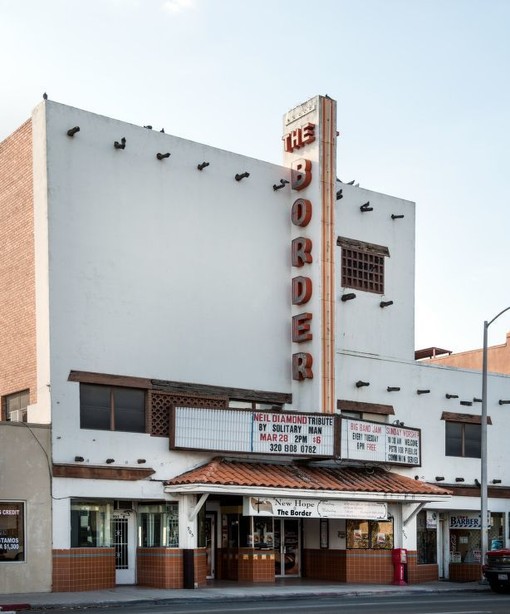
210 544
123 534
287 545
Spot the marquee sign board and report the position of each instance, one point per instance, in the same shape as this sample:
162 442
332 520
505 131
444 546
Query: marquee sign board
285 507
256 432
382 443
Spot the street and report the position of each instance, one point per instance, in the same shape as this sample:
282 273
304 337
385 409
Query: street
452 603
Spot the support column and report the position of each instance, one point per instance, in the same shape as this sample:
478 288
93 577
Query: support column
188 538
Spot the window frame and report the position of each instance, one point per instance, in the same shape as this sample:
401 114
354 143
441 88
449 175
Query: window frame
470 419
113 409
21 396
20 532
96 531
370 539
426 540
158 524
462 426
362 265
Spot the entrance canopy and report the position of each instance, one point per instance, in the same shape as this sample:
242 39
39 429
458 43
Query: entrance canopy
227 476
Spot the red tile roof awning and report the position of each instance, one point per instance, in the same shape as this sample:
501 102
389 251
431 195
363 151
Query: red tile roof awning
242 477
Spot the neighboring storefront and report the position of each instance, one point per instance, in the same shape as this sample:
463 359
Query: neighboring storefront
25 508
452 539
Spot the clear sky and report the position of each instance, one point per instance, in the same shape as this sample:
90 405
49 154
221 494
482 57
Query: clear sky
423 91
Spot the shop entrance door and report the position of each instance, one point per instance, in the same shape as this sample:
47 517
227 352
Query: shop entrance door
123 537
210 544
287 545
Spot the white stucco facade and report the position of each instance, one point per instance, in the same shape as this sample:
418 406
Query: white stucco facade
154 269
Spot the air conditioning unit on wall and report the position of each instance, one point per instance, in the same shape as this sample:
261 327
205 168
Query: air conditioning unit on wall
18 415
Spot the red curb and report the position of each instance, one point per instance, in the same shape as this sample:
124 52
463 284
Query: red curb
14 607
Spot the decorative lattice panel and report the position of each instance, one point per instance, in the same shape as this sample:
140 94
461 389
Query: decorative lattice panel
160 403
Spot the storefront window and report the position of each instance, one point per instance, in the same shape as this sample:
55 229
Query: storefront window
90 524
12 532
465 536
201 528
370 534
427 537
262 534
237 531
465 545
158 525
496 535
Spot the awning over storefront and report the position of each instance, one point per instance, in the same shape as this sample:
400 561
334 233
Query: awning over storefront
225 476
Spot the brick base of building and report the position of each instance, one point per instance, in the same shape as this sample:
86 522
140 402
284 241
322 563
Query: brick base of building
91 569
245 565
87 569
255 565
159 567
83 569
362 567
465 572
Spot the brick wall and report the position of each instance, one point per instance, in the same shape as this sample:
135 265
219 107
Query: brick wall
465 572
324 565
83 569
17 274
369 566
159 567
350 566
200 564
256 565
417 574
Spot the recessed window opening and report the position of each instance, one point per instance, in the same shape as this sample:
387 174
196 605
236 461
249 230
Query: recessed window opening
463 439
16 405
362 265
112 408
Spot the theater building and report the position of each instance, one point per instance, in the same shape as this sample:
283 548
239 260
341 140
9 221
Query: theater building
224 349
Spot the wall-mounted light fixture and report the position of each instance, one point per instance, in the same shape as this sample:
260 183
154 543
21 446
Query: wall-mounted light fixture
148 127
202 166
339 194
452 396
73 131
393 388
459 479
360 384
121 145
347 297
495 481
467 403
422 391
109 461
241 176
398 423
161 156
78 459
366 207
141 461
283 183
439 478
396 217
477 483
385 303
504 401
476 400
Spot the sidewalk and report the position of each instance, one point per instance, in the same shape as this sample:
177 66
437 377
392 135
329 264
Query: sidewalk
219 591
